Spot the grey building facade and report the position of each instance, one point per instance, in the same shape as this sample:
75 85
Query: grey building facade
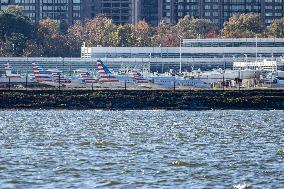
220 11
120 11
68 11
217 11
152 11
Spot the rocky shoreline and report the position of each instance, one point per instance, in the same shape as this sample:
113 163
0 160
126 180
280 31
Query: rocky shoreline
143 99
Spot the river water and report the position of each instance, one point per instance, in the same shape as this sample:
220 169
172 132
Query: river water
141 149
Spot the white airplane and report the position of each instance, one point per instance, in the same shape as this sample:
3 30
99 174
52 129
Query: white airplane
42 76
140 80
69 82
54 78
10 73
12 76
177 82
85 77
108 80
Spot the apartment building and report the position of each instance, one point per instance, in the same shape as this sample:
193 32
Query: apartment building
152 11
219 11
68 11
120 11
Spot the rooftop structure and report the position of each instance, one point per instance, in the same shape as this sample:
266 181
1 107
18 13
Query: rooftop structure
264 65
200 53
234 42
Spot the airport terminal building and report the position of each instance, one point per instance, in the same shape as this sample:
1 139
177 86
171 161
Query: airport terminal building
204 54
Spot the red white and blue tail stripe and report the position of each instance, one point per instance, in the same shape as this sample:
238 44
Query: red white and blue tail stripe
138 77
105 74
59 77
86 77
10 73
41 75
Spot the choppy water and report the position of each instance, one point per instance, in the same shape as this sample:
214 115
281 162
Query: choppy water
141 149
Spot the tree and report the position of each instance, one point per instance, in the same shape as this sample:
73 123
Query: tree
203 27
184 28
101 31
15 28
12 20
50 38
75 38
125 35
97 31
6 49
141 33
243 25
94 32
18 42
32 49
189 28
166 35
48 27
276 29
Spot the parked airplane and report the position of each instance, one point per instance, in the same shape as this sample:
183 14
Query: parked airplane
12 76
69 82
137 79
10 73
107 79
42 76
177 82
86 78
54 77
140 80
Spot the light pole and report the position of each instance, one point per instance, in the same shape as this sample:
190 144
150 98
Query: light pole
27 74
223 83
149 65
246 57
224 68
256 50
180 60
13 45
234 57
224 62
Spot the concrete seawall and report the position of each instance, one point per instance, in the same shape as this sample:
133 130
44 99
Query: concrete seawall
128 100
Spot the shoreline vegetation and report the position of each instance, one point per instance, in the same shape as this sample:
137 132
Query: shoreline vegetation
20 37
266 99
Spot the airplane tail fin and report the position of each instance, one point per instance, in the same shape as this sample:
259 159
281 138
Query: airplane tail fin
59 77
105 73
87 78
10 73
138 77
41 74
